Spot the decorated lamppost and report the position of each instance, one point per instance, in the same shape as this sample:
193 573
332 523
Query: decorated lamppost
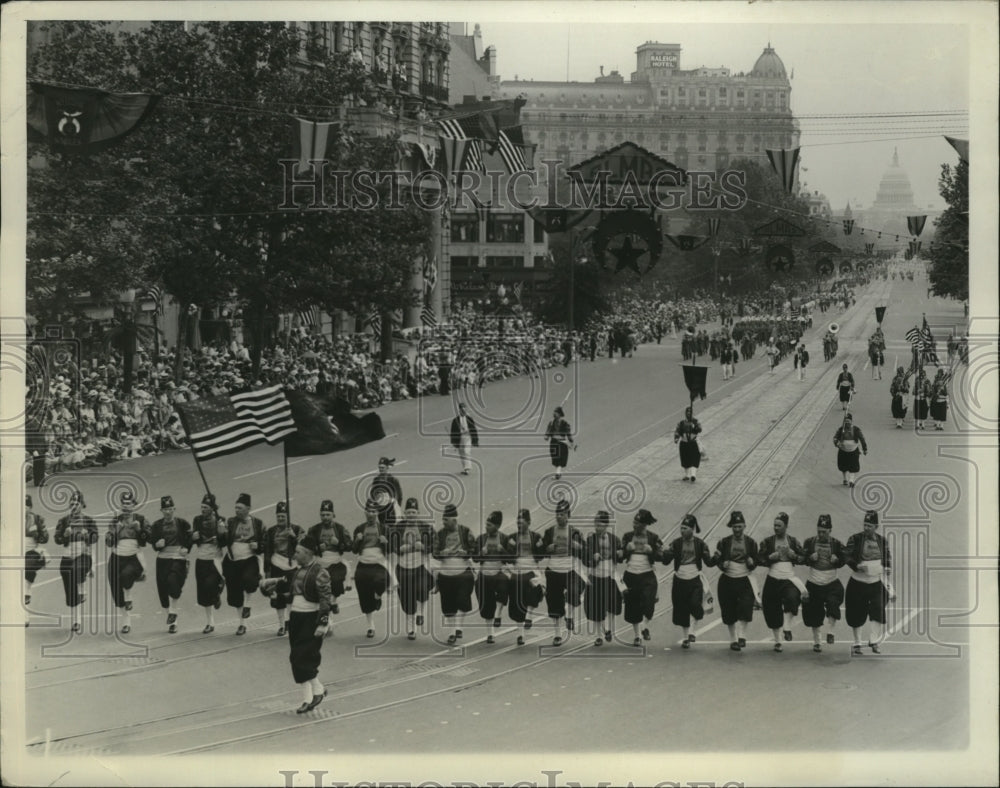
127 334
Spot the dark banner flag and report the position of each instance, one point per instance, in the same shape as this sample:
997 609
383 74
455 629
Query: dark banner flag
325 424
784 162
848 226
880 313
915 224
695 378
84 120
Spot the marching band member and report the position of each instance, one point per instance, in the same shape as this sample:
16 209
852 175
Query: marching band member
850 443
899 386
412 540
559 436
688 554
386 491
279 552
492 585
78 533
526 589
824 555
129 532
782 589
641 549
243 541
736 555
686 438
845 385
602 599
562 544
333 540
371 575
171 539
453 545
35 535
207 529
306 590
868 589
939 400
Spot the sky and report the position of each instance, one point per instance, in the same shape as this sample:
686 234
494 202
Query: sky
839 68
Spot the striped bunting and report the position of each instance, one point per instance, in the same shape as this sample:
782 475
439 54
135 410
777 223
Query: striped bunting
427 317
784 161
216 426
512 155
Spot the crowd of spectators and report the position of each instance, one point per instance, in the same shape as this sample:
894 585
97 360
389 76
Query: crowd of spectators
86 418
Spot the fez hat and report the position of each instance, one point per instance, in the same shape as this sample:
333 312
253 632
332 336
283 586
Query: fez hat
326 506
243 498
644 517
281 508
495 518
871 516
166 501
736 518
691 521
411 503
450 511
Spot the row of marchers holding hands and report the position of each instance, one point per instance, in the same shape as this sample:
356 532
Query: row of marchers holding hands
609 574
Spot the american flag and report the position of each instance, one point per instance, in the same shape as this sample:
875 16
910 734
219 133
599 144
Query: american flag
427 317
913 336
374 320
464 129
307 317
154 294
512 155
517 287
216 426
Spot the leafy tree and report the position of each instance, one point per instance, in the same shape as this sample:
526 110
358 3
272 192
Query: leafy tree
195 196
949 255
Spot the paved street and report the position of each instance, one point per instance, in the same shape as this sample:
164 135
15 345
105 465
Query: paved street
770 445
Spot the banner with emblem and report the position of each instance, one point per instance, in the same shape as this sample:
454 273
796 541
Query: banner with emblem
84 120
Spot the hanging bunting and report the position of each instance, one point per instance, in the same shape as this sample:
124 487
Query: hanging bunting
848 226
784 162
869 248
914 247
880 313
687 243
311 142
713 228
429 152
84 120
961 147
745 247
915 224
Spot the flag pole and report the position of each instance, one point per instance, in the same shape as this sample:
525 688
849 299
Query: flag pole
288 500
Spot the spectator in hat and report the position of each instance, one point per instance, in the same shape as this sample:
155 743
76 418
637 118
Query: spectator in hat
386 491
641 549
280 540
242 542
689 554
412 542
736 556
77 533
560 438
454 546
526 587
306 588
783 591
602 599
371 545
128 534
207 536
563 545
170 537
492 584
824 555
333 540
868 589
35 535
464 436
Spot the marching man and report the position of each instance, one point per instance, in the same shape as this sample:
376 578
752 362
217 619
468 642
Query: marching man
845 385
850 443
35 535
171 539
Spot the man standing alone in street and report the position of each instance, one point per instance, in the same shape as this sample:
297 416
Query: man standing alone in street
463 437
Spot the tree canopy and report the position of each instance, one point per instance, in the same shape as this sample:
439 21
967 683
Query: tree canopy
193 198
949 254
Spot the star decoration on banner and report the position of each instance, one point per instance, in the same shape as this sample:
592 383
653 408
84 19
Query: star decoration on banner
627 256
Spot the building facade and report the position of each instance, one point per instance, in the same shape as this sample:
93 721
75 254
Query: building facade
697 118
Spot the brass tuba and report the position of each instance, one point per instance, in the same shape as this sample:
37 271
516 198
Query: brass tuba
833 328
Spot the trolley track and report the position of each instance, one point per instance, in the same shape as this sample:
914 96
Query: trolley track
173 734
